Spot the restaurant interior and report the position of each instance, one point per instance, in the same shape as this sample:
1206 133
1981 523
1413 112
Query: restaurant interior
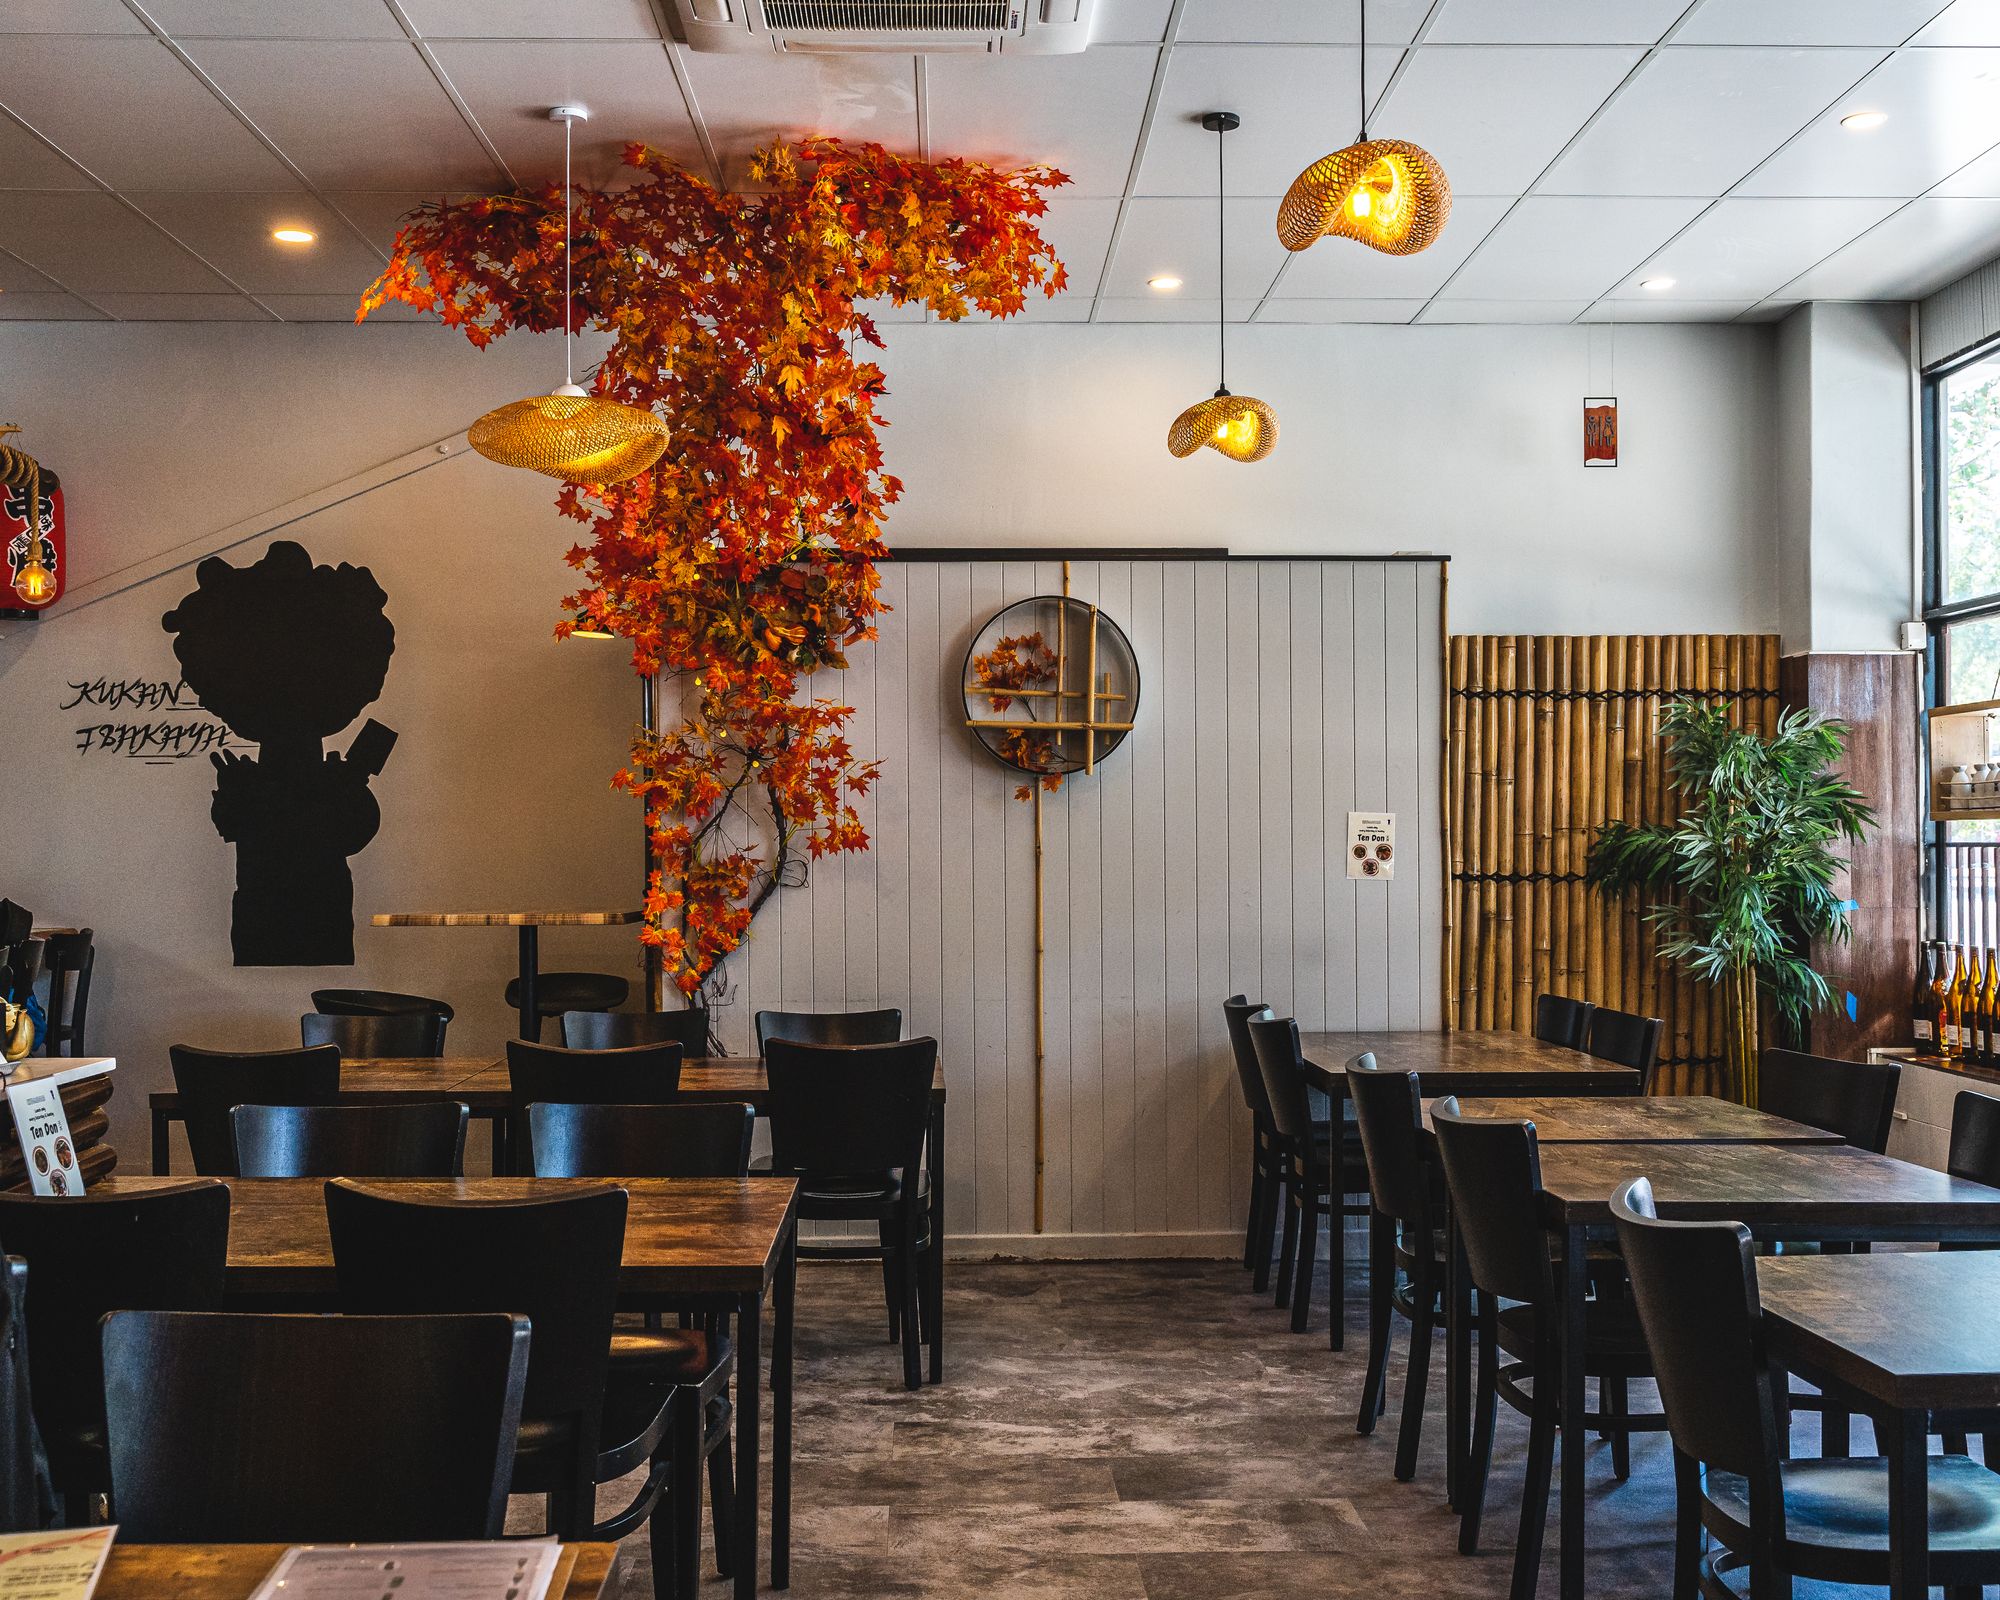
1097 799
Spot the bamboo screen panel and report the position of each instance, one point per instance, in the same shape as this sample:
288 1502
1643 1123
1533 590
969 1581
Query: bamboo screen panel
1549 736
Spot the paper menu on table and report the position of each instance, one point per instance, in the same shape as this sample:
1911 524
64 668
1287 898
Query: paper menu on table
508 1569
62 1564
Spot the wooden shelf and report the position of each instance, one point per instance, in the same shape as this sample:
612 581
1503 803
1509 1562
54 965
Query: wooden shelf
1962 736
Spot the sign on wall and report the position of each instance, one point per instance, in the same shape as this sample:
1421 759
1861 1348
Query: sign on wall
1371 844
1600 431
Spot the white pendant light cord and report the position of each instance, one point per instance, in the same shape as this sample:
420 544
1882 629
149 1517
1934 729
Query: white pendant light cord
569 300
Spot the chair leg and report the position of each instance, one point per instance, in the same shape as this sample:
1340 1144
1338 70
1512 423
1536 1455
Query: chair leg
1687 1528
722 1501
1336 1268
1287 1263
1417 1379
1615 1404
684 1493
1267 1222
1256 1206
906 1279
892 1292
1479 1463
1535 1490
1381 1284
1302 1287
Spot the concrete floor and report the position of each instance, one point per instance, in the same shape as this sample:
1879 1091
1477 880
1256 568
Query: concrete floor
1144 1431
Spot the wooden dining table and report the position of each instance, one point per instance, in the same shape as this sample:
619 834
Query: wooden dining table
233 1571
528 926
721 1244
1779 1190
1467 1064
1845 1324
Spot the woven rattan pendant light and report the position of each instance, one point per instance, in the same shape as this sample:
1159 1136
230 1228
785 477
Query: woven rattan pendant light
570 434
1242 428
1389 194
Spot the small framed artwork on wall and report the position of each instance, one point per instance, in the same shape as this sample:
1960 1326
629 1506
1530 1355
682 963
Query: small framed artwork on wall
1600 431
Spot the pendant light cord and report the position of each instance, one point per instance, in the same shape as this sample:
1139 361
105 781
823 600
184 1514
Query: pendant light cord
569 299
1364 71
1221 276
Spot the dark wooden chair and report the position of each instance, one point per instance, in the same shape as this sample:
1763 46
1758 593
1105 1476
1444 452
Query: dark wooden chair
211 1083
829 1027
93 1253
235 1428
1319 1177
408 1034
1631 1041
1406 1257
1493 1172
1695 1284
1855 1099
556 1262
375 1003
1560 1020
619 1030
68 959
1267 1176
1974 1154
557 992
546 1074
849 1121
425 1139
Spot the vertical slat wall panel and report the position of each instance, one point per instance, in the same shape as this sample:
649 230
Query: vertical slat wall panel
1550 737
1206 855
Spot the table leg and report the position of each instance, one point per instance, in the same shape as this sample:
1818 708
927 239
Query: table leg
531 1020
161 1166
1907 1436
937 1239
1574 1288
749 1361
786 1296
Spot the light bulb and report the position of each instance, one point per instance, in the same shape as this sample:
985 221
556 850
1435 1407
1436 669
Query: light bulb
34 583
1864 121
292 235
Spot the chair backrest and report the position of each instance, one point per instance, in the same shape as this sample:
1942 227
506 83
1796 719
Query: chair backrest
1493 1170
88 1254
424 1139
1975 1138
618 1030
375 1003
707 1139
829 1027
1236 1015
1855 1099
1389 1114
553 1261
855 1110
399 1033
1695 1286
547 1074
236 1428
69 959
211 1083
1274 1041
1629 1040
1561 1020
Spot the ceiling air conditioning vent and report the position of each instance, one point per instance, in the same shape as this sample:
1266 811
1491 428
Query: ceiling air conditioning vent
902 27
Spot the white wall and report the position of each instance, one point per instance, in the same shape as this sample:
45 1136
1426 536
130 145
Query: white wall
1459 440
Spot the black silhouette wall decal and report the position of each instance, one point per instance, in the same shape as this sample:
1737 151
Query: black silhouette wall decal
287 654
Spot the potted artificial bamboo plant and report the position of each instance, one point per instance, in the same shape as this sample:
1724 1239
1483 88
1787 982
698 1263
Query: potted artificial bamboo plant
1744 875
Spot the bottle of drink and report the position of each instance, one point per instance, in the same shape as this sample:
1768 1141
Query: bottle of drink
1963 989
1944 1020
1989 1006
1978 1018
1923 1002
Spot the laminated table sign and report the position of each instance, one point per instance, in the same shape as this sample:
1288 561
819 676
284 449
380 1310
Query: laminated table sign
60 1564
501 1569
34 1096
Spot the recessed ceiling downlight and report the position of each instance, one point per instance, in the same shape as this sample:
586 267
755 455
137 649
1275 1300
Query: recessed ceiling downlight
293 235
1656 285
1166 283
1864 121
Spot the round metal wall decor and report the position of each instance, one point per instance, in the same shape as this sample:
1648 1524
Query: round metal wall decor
1051 686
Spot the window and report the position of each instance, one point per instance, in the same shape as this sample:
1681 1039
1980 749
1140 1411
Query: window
1968 424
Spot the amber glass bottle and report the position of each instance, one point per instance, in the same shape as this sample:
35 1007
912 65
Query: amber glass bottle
1923 1027
1944 998
1989 1011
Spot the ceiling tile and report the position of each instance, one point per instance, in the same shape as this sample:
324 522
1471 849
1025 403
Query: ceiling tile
1694 121
1979 179
1079 227
1747 249
379 215
46 308
1771 311
183 308
1077 112
17 277
1169 308
1337 268
1300 21
232 232
1176 238
629 90
1919 249
68 16
1495 116
91 243
1966 22
1553 21
1071 307
1944 109
1503 311
337 308
169 131
1296 105
1826 22
1130 21
1667 309
532 19
27 163
276 19
1561 247
357 116
749 101
1318 311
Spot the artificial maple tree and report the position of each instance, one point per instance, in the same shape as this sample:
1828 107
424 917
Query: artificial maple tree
744 561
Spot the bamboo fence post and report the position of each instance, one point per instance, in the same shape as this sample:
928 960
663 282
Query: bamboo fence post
1041 1015
1489 822
1455 810
1563 809
1545 862
1503 994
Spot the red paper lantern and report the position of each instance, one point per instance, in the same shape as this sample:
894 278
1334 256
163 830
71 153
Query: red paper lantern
36 547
